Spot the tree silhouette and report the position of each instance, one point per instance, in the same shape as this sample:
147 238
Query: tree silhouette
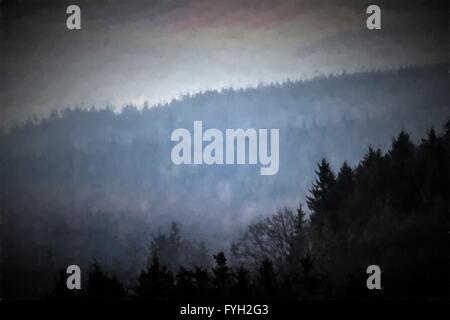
101 286
242 288
222 276
155 282
322 201
266 279
202 282
391 209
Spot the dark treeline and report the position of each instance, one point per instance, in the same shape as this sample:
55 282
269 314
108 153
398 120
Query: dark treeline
392 209
85 185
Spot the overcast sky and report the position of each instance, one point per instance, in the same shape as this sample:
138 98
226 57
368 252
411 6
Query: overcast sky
136 51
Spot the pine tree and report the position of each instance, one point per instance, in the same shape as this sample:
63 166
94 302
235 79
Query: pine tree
401 148
155 282
322 199
300 219
185 287
266 280
299 244
242 283
404 185
100 286
345 185
168 247
345 180
202 283
222 275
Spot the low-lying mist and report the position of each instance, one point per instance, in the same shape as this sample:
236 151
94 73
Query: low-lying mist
88 185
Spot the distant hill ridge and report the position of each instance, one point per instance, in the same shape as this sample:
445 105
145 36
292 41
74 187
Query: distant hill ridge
89 169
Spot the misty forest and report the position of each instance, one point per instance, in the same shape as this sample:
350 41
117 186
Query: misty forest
363 179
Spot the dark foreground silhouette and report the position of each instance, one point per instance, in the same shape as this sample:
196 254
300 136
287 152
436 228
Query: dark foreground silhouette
391 210
95 184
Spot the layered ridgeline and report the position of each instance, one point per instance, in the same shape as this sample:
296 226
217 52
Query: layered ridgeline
88 184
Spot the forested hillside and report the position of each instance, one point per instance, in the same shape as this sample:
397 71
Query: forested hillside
390 210
95 184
